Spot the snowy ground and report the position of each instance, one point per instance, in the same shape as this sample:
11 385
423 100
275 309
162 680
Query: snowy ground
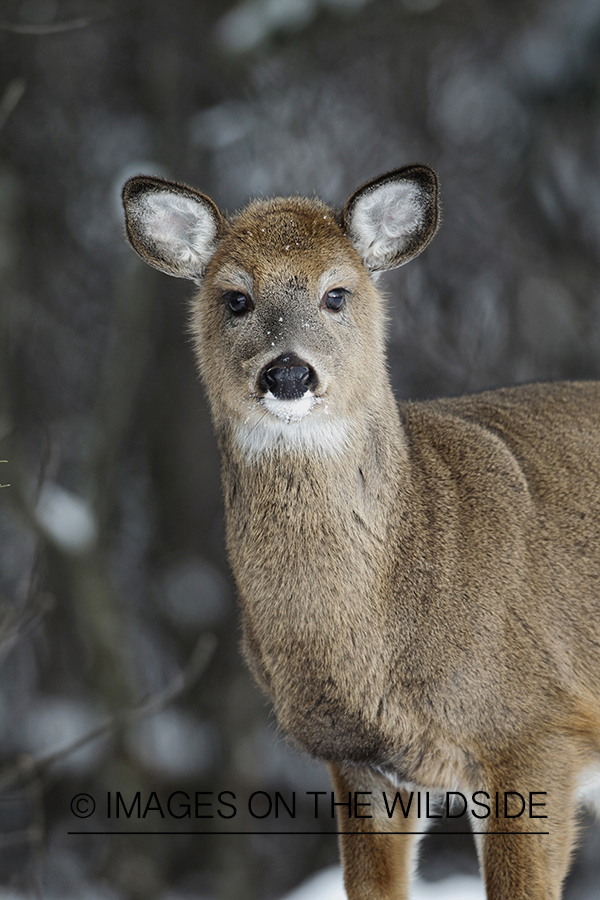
327 885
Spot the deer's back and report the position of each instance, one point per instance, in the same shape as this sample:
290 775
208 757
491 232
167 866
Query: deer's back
535 447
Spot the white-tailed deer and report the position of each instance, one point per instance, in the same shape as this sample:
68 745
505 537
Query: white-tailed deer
419 585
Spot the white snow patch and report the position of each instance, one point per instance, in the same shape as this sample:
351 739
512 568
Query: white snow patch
249 24
220 126
54 723
328 885
173 744
66 518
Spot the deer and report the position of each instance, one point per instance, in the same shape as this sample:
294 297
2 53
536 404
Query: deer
418 582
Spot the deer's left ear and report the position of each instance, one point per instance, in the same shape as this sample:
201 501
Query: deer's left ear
173 227
391 219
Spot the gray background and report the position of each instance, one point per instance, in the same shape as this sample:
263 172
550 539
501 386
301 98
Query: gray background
111 537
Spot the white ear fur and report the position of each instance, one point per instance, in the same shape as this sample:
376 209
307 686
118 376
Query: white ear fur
390 220
384 220
172 227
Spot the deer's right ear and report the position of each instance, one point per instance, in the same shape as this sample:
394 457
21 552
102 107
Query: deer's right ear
171 226
391 219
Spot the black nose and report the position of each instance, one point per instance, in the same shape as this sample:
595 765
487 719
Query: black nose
288 377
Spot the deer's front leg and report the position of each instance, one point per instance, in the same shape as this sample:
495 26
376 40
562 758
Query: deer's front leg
523 865
377 863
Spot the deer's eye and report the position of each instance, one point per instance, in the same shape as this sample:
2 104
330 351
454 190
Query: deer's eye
238 303
334 299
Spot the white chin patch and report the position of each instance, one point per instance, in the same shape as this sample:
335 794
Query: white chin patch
274 426
289 410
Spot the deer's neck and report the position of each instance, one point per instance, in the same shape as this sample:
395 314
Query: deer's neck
308 539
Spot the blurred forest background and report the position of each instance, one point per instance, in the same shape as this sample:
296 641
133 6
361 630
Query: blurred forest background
117 611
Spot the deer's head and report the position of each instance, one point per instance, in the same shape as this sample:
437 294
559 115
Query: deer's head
288 324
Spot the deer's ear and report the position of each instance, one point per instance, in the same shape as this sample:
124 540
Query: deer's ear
391 219
172 227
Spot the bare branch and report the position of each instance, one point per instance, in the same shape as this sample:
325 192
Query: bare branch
52 27
27 767
17 624
61 27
